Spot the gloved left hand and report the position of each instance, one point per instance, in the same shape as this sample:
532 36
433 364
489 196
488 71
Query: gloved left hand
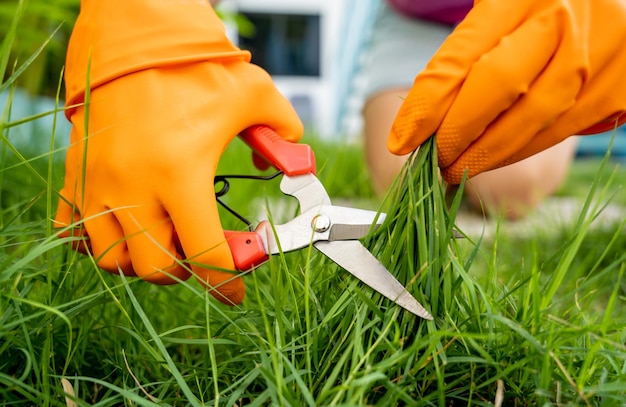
168 92
515 78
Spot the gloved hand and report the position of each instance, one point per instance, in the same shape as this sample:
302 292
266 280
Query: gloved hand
514 78
168 93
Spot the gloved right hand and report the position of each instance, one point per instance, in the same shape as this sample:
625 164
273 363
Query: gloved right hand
517 77
167 93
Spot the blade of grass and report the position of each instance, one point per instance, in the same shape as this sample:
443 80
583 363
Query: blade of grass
6 84
580 229
156 339
7 42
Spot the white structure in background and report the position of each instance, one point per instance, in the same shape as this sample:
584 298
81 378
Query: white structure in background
312 49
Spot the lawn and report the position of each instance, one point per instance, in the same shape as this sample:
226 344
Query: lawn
520 319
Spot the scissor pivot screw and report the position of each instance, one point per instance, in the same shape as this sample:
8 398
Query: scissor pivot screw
320 223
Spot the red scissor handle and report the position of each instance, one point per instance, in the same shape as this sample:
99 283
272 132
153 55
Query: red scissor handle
290 158
247 249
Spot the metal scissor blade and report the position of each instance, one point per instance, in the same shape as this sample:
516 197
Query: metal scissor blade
356 259
348 232
351 223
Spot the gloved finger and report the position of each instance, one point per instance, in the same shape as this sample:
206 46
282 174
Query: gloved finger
270 108
69 224
195 216
435 88
553 92
574 121
149 236
108 245
499 80
601 106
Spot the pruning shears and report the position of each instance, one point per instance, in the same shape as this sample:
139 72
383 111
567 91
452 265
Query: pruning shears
333 230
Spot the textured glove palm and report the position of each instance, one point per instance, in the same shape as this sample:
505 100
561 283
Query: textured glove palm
168 93
517 77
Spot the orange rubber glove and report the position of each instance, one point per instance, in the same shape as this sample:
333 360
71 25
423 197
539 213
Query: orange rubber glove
168 93
517 77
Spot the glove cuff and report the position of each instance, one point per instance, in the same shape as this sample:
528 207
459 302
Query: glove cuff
113 38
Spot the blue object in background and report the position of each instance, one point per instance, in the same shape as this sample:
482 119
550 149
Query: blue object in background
597 145
34 138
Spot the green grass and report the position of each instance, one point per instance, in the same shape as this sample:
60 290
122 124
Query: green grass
518 321
533 321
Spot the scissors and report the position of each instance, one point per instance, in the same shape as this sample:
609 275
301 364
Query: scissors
333 230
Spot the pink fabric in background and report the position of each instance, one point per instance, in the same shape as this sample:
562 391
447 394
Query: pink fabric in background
441 11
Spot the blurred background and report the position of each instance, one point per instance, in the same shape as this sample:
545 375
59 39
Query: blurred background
313 49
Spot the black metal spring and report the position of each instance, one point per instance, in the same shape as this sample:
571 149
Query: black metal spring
225 187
